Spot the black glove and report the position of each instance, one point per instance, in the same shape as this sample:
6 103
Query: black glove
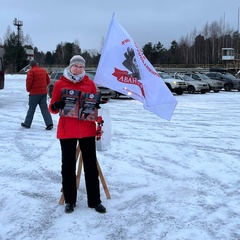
97 106
58 105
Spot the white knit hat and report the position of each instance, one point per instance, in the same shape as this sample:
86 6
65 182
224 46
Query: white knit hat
77 59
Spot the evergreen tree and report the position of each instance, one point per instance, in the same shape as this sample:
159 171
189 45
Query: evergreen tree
49 58
148 51
15 56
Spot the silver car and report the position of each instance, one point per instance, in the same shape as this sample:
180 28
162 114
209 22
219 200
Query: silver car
193 86
214 85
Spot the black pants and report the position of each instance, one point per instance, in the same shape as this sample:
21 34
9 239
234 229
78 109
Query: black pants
88 149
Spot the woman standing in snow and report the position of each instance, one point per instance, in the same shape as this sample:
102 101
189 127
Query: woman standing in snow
72 131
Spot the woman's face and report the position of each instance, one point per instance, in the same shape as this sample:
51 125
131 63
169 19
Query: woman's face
77 69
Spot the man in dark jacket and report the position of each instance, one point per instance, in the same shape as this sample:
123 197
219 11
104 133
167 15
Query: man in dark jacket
36 84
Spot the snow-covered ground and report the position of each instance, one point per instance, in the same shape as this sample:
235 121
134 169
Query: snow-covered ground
167 180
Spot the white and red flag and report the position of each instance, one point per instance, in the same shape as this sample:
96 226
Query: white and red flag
124 68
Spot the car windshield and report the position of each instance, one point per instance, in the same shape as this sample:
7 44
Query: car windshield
58 75
164 75
204 77
90 75
229 75
187 78
91 72
53 75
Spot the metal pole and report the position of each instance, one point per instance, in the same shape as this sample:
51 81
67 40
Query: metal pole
18 24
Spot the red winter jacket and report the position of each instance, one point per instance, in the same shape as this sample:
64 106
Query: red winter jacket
37 81
72 127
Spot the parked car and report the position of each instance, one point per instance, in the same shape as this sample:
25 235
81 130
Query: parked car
177 86
114 94
229 81
105 92
193 86
238 74
1 74
213 84
223 70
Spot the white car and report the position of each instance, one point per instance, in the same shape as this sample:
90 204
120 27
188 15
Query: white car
177 86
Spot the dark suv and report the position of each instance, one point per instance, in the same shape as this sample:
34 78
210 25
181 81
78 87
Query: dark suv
105 92
229 81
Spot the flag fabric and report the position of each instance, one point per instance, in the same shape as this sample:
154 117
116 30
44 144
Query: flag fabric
124 68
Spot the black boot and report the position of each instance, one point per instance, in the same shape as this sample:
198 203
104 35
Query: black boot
99 208
24 125
69 207
49 127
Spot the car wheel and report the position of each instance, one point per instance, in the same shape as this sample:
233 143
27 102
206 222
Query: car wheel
209 88
115 94
179 92
191 89
227 87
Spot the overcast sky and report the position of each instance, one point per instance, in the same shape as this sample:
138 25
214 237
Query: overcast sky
50 22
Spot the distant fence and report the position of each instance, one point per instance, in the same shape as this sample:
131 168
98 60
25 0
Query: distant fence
57 68
204 66
164 67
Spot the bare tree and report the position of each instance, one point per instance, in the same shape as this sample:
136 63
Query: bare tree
102 44
8 33
27 40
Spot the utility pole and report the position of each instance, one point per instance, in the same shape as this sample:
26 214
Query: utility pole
18 24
